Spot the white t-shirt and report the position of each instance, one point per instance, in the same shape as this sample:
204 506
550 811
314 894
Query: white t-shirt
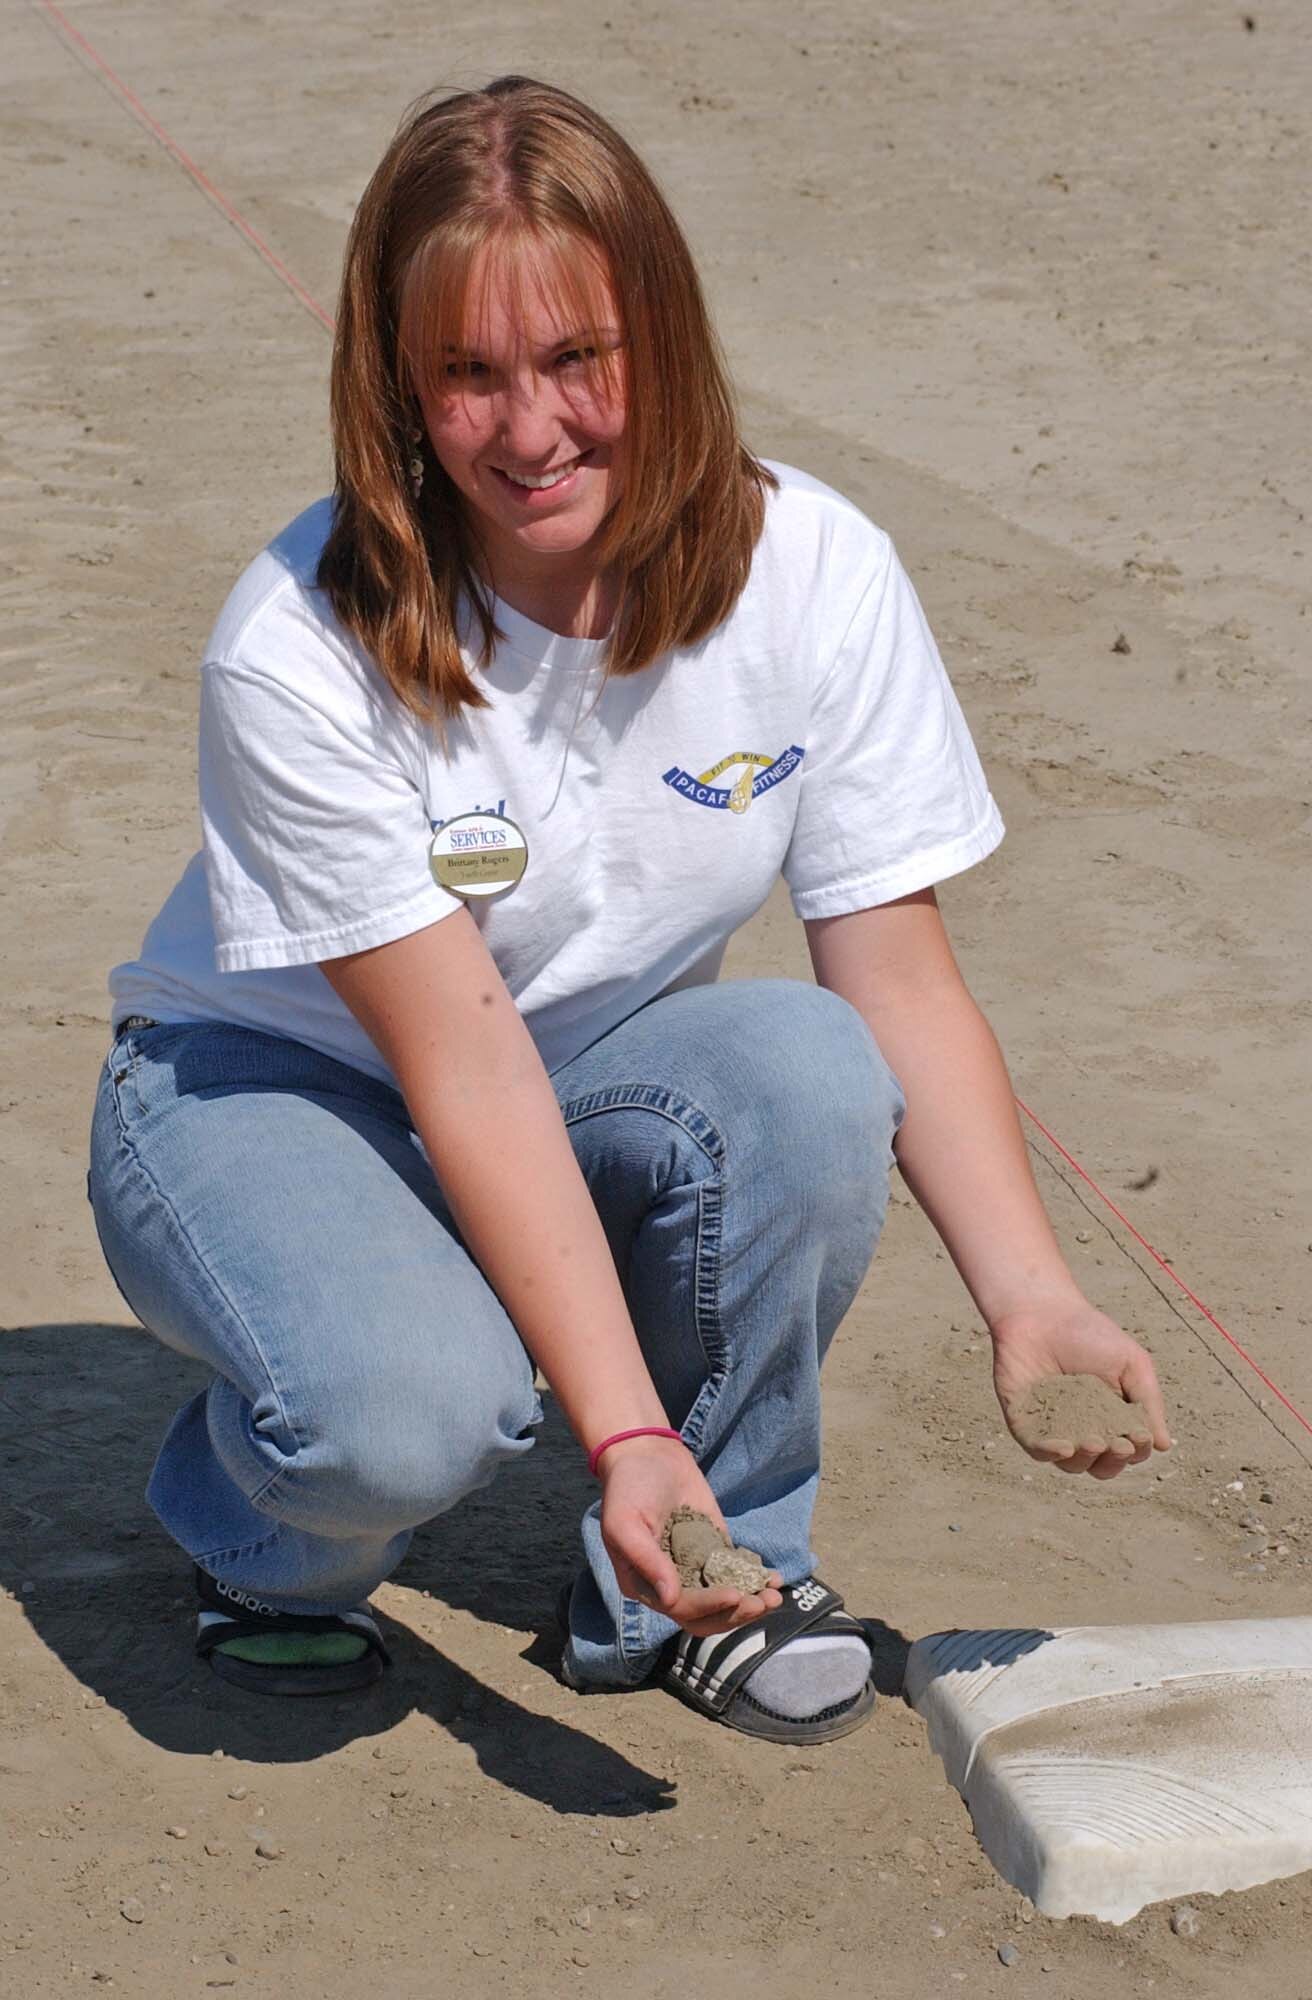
814 733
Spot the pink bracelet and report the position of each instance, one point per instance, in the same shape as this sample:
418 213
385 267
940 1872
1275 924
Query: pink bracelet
643 1431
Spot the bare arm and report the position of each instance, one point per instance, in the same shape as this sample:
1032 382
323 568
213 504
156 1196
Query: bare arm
962 1154
438 1010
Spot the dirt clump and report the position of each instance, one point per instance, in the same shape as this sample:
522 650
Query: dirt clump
706 1558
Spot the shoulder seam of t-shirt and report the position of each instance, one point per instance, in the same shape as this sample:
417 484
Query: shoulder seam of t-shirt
265 602
243 670
807 486
268 600
912 872
879 582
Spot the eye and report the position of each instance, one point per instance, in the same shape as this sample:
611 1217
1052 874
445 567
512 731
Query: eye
469 369
574 357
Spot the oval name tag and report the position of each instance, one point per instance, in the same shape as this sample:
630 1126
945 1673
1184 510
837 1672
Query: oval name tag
478 856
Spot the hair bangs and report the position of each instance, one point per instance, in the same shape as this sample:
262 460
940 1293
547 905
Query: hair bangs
536 269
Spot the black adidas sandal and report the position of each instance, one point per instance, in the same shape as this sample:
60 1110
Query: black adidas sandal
709 1674
228 1613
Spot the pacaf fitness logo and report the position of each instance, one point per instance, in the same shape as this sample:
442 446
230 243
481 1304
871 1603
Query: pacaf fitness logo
759 774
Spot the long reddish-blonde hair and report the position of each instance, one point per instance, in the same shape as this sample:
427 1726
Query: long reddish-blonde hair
521 161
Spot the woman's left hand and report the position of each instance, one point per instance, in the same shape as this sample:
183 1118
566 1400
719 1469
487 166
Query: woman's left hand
1074 1338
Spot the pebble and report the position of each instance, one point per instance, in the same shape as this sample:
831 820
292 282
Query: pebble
1008 1954
238 1792
621 1845
269 1850
1184 1921
176 1832
481 1950
216 1847
1084 1236
938 1930
581 1958
133 1909
582 1919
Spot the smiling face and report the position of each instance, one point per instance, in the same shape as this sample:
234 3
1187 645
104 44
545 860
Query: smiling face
526 417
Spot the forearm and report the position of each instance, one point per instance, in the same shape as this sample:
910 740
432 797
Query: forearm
960 1148
961 1151
485 1110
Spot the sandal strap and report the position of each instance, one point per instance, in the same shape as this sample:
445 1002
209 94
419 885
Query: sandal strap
221 1618
709 1672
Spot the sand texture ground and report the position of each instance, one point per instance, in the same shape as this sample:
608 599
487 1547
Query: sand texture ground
1030 282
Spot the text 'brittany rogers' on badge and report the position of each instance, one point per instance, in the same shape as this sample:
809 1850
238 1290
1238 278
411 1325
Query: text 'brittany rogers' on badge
478 856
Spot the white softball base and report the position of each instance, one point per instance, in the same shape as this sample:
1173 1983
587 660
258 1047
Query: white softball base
1106 1767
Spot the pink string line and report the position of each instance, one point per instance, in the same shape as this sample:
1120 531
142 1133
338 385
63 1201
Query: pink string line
299 291
184 160
1157 1257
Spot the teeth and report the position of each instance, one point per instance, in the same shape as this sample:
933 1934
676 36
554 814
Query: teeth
547 479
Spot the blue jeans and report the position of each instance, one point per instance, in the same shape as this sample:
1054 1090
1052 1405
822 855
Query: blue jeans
270 1212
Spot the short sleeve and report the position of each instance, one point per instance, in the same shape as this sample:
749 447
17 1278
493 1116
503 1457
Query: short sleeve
893 798
316 836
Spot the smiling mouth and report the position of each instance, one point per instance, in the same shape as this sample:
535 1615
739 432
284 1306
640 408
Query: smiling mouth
542 482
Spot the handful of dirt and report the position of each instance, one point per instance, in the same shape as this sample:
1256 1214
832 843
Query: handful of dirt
705 1557
1070 1413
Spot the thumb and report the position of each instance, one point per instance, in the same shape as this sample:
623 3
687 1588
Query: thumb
642 1567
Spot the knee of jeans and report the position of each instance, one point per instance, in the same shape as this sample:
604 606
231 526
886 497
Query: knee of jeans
389 1455
832 1099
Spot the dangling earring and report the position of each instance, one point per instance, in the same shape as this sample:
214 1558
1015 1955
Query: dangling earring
416 462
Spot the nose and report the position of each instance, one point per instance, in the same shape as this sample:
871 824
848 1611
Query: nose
530 420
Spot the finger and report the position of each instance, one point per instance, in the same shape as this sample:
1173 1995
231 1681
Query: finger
1139 1383
1108 1465
748 1610
1080 1461
1051 1450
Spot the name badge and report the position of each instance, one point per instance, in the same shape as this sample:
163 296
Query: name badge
478 856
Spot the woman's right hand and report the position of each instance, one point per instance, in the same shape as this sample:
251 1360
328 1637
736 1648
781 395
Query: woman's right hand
642 1481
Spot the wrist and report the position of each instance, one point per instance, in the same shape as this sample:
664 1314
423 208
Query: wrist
1019 1313
641 1435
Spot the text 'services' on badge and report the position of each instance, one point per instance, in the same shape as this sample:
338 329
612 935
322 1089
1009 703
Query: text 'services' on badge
478 855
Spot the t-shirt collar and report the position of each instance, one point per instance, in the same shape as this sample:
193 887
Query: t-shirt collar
530 641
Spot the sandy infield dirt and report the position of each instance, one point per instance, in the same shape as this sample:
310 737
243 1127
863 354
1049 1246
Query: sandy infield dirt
1030 282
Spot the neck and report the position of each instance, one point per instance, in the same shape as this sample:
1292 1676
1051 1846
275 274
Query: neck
578 602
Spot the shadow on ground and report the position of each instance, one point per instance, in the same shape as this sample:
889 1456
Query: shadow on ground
81 1410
